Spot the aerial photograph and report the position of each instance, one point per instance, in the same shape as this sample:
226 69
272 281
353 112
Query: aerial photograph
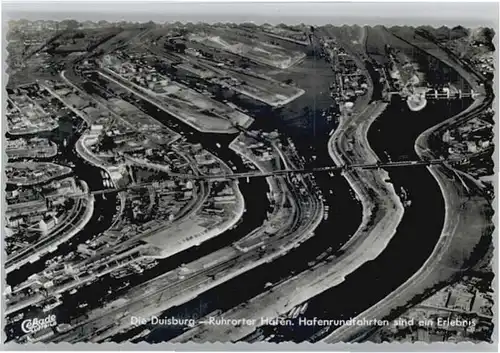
248 180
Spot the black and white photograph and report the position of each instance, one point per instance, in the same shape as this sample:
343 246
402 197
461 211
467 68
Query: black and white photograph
260 173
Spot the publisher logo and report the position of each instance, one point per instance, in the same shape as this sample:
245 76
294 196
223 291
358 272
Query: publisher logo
35 325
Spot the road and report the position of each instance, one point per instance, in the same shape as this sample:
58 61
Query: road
334 168
263 174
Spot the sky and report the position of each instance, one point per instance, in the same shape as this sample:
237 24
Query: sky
336 13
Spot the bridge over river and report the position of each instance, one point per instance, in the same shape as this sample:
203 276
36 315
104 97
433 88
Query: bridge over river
257 174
